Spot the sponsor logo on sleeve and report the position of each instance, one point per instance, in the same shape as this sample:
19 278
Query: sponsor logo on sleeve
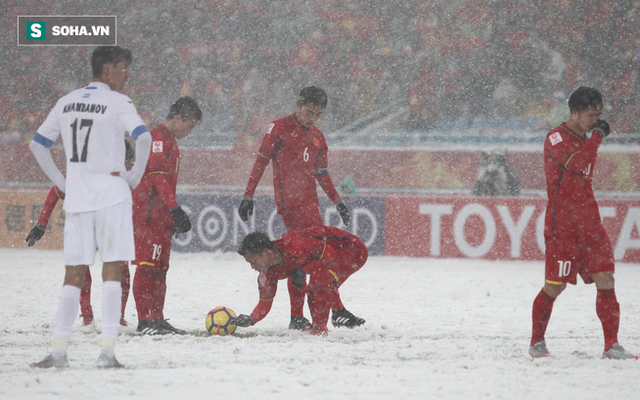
157 146
555 138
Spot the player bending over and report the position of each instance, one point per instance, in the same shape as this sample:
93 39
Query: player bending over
327 254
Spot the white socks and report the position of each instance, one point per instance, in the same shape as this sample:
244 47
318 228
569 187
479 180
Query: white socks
111 310
66 314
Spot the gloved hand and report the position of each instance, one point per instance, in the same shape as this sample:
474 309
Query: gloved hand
344 212
603 127
243 321
181 221
298 278
35 234
246 208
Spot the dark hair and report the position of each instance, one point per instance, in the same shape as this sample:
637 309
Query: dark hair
186 108
108 54
585 98
312 94
255 243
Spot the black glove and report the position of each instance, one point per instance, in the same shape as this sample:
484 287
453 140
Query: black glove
243 321
181 221
603 127
246 208
298 278
35 234
344 212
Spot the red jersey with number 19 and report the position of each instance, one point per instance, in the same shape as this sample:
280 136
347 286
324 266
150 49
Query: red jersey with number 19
156 193
569 161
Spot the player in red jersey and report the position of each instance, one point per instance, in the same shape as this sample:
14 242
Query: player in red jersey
327 254
299 153
39 230
576 242
157 215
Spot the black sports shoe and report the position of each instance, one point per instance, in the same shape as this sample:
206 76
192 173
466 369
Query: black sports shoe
164 324
345 318
152 328
299 323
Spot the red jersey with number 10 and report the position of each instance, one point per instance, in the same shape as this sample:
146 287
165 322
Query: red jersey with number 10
156 193
569 161
298 154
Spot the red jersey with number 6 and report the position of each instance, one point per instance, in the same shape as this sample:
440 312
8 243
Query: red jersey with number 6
298 155
569 161
156 193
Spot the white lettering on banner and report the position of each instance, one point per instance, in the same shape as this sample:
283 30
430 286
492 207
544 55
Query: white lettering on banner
625 241
356 215
212 229
516 229
435 211
489 235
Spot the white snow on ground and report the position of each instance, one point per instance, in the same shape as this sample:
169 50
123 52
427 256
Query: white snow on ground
436 329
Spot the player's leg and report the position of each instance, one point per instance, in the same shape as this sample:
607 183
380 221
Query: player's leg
560 268
601 269
149 282
295 219
125 284
86 311
79 252
351 257
114 234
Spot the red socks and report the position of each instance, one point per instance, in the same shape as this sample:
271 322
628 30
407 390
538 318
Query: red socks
542 306
608 310
149 290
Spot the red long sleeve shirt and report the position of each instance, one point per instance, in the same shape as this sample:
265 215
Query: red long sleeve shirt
156 193
299 158
569 161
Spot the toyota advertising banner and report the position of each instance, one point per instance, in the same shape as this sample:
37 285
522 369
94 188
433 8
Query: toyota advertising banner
493 228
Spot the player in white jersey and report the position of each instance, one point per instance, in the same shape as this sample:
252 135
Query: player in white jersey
92 122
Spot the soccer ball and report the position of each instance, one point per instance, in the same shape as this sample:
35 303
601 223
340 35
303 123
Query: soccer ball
218 321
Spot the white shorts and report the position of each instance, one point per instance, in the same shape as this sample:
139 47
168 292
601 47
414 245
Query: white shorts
109 230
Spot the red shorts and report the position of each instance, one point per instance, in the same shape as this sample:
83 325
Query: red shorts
297 218
351 257
567 256
153 247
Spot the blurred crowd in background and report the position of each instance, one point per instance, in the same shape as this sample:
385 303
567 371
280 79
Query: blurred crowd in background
484 64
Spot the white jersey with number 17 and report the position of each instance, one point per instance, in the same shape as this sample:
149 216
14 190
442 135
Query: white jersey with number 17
93 121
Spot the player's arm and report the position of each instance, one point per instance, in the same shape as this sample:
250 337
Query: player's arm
143 148
574 160
40 146
323 178
38 230
267 293
181 221
259 166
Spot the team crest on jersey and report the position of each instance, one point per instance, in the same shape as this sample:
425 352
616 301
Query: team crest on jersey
555 138
316 142
157 146
262 279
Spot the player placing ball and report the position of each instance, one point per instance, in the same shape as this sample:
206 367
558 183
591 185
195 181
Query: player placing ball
327 254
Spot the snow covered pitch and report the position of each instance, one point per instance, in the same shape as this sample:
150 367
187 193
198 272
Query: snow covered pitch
436 329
